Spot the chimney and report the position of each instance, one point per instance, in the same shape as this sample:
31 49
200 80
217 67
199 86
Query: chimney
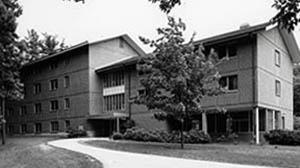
244 26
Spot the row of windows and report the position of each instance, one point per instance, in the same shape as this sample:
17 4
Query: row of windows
231 84
52 65
53 85
54 127
113 79
114 102
54 106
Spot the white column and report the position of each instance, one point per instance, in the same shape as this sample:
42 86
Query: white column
274 122
267 120
118 124
204 123
257 124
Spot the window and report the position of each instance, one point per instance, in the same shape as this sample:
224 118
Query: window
67 124
142 92
277 88
54 126
114 102
38 128
66 103
66 81
38 108
53 65
229 82
283 122
53 105
23 128
23 110
227 51
113 79
37 88
53 84
232 51
277 58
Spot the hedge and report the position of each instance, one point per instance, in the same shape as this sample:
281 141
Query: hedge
283 137
140 134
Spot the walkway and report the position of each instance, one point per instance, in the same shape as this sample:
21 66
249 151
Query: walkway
118 159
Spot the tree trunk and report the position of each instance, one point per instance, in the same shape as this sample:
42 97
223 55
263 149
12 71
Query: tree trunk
3 121
181 134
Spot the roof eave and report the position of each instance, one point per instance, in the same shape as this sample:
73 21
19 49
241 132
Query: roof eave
291 44
56 54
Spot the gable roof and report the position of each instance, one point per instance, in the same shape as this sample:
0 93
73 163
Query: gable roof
125 37
288 38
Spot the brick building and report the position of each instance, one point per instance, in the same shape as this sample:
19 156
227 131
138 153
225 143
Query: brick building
89 85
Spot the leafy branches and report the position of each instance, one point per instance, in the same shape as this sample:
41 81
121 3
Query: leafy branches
288 13
177 75
166 5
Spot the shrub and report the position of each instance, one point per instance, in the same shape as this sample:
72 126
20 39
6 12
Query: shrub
117 136
283 137
75 133
139 134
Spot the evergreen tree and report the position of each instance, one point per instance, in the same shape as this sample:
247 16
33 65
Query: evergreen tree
36 46
10 59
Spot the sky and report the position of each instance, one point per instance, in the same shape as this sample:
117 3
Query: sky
99 19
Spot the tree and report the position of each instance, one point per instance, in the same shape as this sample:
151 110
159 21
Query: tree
288 13
166 5
177 75
10 59
297 99
35 46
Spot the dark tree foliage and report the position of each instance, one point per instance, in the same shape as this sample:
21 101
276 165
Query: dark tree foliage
36 46
297 99
288 13
166 5
10 59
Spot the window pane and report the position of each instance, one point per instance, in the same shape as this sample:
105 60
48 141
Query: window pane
277 58
221 52
223 82
233 83
232 51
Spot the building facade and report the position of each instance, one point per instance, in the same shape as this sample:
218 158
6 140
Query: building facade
90 86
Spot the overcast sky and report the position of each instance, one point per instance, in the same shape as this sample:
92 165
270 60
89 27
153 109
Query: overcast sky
99 19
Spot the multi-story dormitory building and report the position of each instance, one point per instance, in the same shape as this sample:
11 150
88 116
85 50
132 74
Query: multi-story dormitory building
89 85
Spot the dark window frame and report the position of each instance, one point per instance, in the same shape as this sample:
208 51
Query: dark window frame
277 56
277 88
54 105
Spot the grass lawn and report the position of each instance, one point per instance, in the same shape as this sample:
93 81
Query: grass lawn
267 155
32 152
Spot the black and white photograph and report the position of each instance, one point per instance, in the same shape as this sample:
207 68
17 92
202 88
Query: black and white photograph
149 84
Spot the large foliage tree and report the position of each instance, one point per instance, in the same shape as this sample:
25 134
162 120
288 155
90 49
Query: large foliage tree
36 46
10 60
177 75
